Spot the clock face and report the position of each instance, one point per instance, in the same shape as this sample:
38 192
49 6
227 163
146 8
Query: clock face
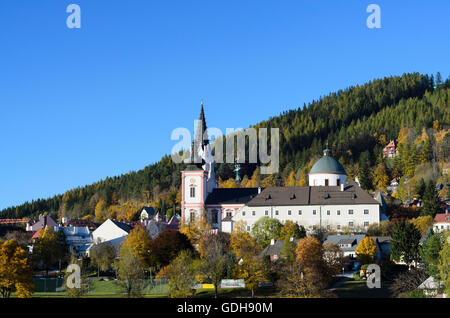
192 180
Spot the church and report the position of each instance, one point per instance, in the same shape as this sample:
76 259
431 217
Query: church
329 202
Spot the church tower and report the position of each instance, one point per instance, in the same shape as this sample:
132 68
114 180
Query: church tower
198 180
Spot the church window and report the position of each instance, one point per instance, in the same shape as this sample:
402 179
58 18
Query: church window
289 212
326 182
314 212
192 192
243 213
192 216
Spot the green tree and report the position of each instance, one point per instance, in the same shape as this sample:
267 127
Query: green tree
365 177
405 242
444 261
429 252
181 275
85 282
266 229
431 203
102 256
130 273
213 265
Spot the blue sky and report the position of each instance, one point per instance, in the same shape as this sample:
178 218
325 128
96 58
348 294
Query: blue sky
77 105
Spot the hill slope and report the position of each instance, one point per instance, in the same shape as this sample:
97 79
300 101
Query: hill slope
355 122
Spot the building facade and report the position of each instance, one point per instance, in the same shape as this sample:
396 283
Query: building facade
328 202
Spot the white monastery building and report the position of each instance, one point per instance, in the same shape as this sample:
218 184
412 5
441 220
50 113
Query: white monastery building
328 202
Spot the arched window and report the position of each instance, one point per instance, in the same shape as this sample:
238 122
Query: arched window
192 191
214 216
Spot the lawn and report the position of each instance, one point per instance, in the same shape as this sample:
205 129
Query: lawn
358 289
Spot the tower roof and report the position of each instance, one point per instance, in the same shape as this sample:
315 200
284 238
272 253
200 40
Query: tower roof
201 128
327 164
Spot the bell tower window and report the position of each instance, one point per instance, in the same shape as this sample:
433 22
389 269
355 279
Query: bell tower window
192 192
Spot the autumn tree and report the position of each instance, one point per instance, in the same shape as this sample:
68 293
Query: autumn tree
139 240
101 211
309 252
292 229
241 242
166 246
381 177
50 248
422 223
253 269
16 270
366 251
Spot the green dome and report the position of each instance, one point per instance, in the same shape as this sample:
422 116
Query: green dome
327 164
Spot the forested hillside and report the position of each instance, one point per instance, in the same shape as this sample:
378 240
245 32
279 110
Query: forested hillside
356 123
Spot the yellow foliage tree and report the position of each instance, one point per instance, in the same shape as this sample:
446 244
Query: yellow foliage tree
366 251
241 242
139 240
100 211
381 177
268 181
422 223
290 181
195 231
16 270
309 252
230 183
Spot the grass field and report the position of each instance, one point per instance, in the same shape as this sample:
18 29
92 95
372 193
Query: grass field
358 289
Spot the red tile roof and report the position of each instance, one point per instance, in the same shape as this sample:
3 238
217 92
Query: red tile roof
442 218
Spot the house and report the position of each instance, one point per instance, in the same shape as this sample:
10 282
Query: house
154 227
430 286
41 223
92 226
390 151
147 212
329 201
442 221
446 168
273 250
78 238
347 243
111 232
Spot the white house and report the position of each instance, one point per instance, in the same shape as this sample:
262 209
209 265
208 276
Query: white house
111 232
77 237
442 222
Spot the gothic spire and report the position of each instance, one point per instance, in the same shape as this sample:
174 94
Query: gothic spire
201 128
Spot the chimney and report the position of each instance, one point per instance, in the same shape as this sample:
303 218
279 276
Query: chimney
259 190
342 187
272 242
